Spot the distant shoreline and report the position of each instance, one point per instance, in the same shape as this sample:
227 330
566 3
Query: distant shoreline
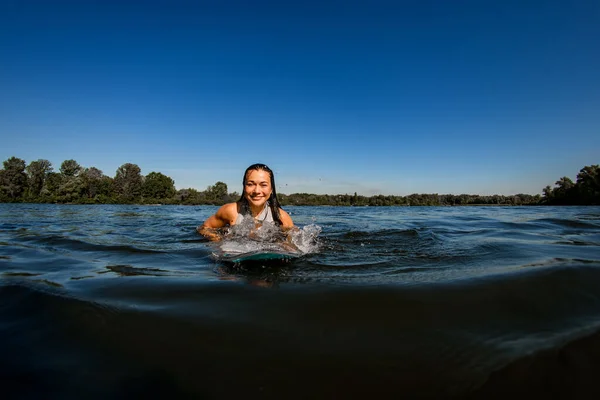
37 183
307 205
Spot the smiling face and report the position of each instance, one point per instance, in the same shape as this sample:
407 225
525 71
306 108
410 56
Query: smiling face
257 189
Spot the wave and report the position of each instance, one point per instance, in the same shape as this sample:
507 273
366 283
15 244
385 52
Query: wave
191 338
129 270
568 223
60 242
567 371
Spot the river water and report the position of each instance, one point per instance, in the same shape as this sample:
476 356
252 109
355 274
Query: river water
112 301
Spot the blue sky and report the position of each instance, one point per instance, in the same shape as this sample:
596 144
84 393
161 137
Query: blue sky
373 97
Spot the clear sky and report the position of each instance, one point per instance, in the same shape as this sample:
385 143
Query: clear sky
397 97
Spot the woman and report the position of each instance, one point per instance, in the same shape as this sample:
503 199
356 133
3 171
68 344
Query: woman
258 201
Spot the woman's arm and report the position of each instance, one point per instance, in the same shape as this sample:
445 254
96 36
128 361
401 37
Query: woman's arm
224 216
286 220
287 225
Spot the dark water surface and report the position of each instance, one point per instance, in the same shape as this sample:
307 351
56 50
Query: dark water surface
413 302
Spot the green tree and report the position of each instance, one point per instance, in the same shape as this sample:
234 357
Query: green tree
217 193
188 196
71 184
548 194
588 182
37 172
70 189
128 182
91 179
13 180
50 190
565 183
158 186
105 190
565 191
70 168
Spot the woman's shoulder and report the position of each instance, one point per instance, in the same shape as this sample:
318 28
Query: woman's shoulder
286 220
228 210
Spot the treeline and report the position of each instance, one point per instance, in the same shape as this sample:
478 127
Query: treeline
73 183
584 191
37 182
306 199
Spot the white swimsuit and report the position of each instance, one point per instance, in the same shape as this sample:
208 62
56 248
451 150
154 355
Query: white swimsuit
265 216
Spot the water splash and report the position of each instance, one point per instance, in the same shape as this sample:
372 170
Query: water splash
268 237
306 239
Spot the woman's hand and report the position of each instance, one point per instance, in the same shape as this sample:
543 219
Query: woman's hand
212 234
